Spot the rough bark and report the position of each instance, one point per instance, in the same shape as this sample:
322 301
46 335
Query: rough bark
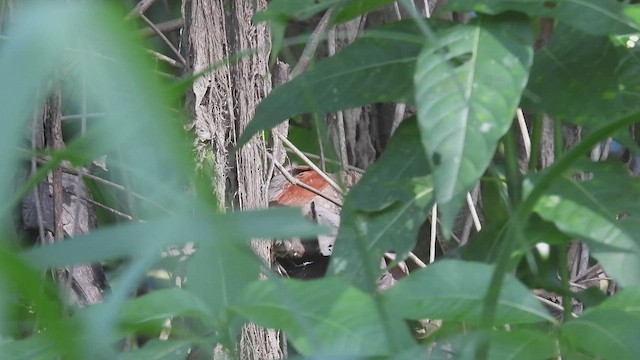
60 207
222 103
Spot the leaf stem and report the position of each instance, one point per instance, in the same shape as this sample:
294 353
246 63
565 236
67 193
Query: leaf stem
525 209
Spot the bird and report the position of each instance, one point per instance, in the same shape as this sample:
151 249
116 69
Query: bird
282 192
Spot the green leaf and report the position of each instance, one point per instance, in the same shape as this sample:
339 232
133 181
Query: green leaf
455 290
583 78
602 211
599 17
385 210
163 304
159 350
468 85
602 333
31 348
378 67
627 300
321 317
516 344
134 239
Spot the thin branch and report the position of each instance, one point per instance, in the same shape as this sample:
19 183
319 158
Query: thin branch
82 116
474 213
526 139
290 145
296 182
140 8
165 58
350 167
432 244
165 27
554 305
416 260
312 45
164 38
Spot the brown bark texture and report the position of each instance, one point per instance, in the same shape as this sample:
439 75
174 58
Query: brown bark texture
222 102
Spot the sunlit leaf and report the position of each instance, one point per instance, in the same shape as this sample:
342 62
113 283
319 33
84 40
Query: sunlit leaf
603 211
468 85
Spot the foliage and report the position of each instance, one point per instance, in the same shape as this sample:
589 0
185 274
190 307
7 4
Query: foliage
465 80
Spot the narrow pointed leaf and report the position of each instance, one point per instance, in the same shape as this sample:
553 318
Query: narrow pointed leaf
596 16
468 85
602 211
385 210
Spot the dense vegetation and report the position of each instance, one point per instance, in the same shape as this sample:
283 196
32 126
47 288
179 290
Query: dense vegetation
464 80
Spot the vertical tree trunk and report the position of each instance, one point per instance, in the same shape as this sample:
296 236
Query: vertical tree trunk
222 103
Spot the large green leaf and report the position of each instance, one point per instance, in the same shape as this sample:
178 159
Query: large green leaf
455 290
468 84
321 317
593 16
627 300
583 78
385 210
516 344
349 9
603 211
601 334
378 67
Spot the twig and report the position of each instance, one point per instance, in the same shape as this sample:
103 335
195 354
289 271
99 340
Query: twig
312 45
82 116
164 38
474 213
296 182
140 8
342 136
432 244
416 260
350 167
165 58
553 305
167 26
526 140
308 162
72 171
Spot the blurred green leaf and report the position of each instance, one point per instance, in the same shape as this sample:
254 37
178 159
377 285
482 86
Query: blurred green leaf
455 290
601 333
603 211
627 300
385 210
378 67
323 317
468 84
132 239
32 348
159 350
600 17
164 304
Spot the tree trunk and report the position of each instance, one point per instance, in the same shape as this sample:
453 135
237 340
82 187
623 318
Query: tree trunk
222 103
